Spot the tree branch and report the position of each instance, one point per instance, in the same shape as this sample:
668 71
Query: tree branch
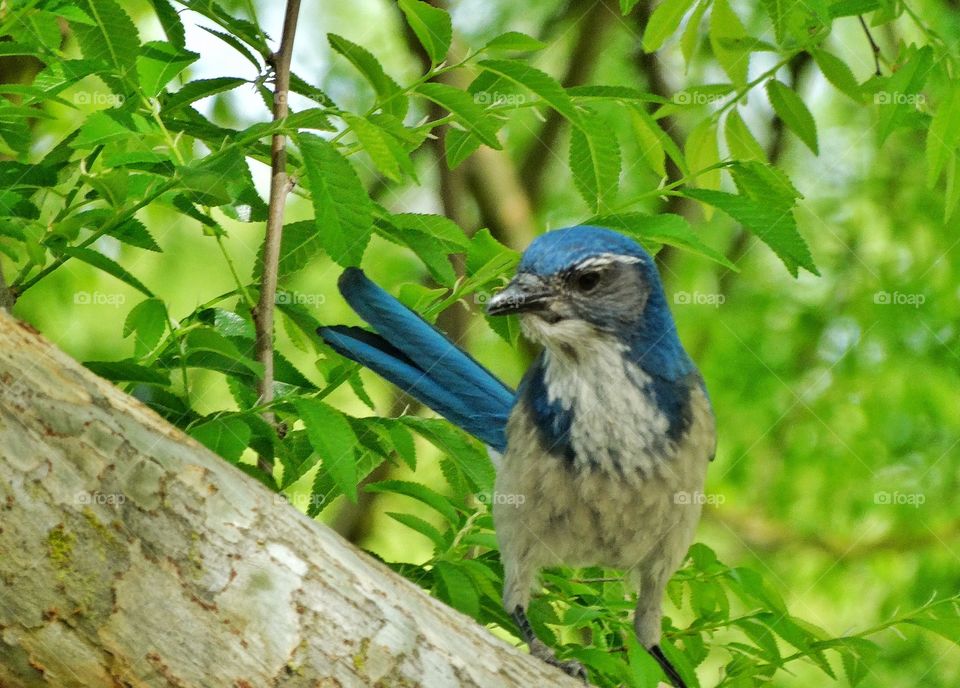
279 188
132 555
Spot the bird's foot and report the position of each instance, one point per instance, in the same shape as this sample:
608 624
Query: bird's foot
570 667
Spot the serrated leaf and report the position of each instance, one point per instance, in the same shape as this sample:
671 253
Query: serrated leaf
701 153
135 233
128 371
692 34
387 90
647 136
375 144
740 140
772 224
419 525
332 437
896 93
227 436
432 237
595 163
108 265
943 136
791 109
343 210
458 146
148 319
112 39
421 493
838 73
432 26
514 40
102 127
236 44
463 106
725 26
158 63
170 22
540 83
459 587
199 89
467 455
206 340
663 22
654 230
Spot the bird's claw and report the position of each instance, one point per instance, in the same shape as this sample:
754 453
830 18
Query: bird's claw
570 667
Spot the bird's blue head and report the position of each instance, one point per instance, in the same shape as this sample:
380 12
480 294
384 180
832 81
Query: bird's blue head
578 287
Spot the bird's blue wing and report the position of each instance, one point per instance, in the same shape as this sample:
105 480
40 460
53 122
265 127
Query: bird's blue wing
415 356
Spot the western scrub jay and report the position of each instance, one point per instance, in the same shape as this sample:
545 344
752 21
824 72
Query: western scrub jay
608 436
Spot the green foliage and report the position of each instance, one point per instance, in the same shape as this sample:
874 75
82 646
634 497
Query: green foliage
134 141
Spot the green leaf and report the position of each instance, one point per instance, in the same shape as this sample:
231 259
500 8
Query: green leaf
135 233
462 105
740 141
466 454
595 163
299 245
342 209
112 38
692 34
838 73
170 22
421 493
655 230
225 435
663 22
791 109
206 340
458 146
432 26
101 127
148 319
375 143
158 63
897 95
332 437
418 524
108 265
458 585
387 90
540 83
772 224
432 237
953 186
647 134
199 89
627 5
702 152
515 41
943 136
725 26
128 371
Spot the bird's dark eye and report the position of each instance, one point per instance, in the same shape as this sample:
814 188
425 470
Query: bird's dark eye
588 281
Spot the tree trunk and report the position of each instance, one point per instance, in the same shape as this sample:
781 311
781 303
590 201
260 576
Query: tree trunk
132 556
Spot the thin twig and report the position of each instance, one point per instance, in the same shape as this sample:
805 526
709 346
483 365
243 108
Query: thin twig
279 188
873 45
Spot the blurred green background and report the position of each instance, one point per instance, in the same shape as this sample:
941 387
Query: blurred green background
837 396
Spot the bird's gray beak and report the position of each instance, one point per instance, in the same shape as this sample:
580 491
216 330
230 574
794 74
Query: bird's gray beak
524 293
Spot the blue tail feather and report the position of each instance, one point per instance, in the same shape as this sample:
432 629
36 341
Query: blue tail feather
416 357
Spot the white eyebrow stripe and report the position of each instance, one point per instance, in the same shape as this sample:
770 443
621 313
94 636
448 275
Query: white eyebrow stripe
606 259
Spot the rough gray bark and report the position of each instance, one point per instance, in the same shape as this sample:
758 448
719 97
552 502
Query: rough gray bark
132 556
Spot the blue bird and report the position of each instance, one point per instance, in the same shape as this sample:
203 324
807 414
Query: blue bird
602 451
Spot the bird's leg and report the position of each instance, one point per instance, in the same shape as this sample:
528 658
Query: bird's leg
540 650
